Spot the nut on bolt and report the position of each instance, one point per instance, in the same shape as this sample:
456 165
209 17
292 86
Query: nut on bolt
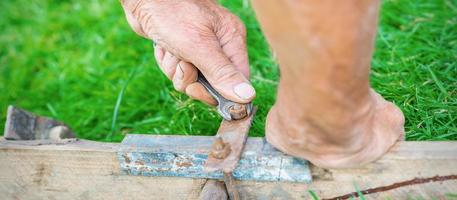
219 149
238 111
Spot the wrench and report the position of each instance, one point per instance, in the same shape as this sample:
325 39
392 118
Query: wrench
229 110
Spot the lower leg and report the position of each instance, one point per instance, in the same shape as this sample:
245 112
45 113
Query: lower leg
325 110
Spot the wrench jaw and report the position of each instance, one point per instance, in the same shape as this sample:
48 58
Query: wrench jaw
249 108
223 111
229 110
233 111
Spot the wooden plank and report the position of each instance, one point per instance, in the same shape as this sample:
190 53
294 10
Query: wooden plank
184 156
78 170
90 170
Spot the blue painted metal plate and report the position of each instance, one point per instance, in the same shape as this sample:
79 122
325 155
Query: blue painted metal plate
184 156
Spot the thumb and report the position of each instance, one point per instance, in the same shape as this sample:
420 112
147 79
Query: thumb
223 75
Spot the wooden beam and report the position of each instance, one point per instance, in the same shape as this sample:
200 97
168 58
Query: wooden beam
90 170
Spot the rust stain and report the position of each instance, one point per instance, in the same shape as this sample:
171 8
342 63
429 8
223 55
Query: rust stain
184 164
219 149
126 158
139 162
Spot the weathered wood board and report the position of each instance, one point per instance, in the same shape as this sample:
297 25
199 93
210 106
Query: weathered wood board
90 170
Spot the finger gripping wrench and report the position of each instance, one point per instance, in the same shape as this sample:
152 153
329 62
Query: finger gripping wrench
229 110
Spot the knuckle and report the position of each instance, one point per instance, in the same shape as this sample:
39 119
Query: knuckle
242 30
231 24
239 25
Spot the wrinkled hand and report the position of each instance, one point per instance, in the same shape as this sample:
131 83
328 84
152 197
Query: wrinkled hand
193 34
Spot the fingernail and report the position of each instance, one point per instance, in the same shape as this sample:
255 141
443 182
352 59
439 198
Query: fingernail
179 72
244 91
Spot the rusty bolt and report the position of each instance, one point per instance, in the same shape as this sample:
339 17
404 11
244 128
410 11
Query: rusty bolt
238 111
219 149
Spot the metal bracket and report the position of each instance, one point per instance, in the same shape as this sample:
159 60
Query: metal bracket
185 156
24 125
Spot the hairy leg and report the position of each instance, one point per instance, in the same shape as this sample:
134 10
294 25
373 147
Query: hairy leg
325 110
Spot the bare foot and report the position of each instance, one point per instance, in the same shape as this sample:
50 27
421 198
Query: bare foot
362 139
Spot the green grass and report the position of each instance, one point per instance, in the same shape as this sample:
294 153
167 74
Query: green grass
78 61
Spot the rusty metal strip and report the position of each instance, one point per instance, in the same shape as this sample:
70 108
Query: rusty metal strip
228 145
230 185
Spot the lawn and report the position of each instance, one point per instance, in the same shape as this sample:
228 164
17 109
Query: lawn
79 62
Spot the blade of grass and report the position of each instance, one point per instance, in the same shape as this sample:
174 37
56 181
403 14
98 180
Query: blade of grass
118 104
437 81
359 193
52 110
313 195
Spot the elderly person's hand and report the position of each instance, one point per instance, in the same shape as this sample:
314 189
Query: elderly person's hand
193 34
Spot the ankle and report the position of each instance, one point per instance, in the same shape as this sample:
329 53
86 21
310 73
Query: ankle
360 137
